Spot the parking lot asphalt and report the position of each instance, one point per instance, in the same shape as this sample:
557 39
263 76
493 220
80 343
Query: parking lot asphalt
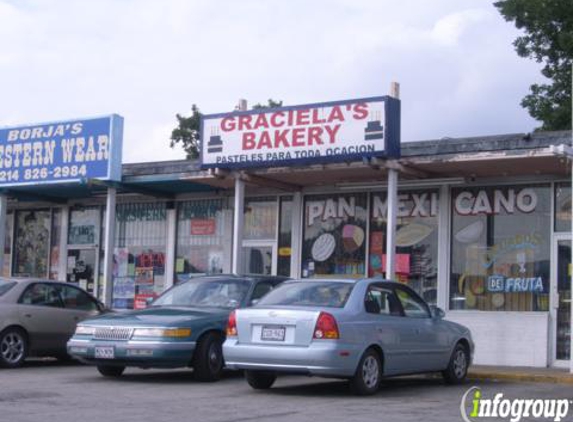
48 391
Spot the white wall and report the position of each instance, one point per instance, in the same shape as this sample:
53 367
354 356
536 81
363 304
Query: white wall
507 338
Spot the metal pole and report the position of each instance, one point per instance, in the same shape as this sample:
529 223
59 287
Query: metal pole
109 246
391 224
239 219
239 212
171 247
392 208
3 210
296 235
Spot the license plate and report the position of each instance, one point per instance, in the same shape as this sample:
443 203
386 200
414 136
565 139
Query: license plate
104 352
273 333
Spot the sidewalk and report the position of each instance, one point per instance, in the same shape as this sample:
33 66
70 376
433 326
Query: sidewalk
520 374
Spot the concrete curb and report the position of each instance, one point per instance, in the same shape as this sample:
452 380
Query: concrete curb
558 378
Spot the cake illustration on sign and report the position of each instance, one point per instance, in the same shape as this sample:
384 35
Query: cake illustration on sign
374 129
215 143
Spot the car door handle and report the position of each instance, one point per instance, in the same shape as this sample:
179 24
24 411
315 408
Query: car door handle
76 318
417 330
28 315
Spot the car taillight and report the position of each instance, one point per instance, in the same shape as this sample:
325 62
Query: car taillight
232 325
326 327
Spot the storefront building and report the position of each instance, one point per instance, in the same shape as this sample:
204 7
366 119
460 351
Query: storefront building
483 230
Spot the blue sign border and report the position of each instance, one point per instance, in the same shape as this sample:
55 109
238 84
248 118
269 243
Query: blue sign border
114 162
391 134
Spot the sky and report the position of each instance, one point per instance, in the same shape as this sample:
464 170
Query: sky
148 60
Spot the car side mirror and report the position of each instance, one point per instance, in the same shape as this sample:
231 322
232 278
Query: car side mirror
254 302
437 313
149 300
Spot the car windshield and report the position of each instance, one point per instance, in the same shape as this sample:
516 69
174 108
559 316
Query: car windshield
218 292
6 285
309 293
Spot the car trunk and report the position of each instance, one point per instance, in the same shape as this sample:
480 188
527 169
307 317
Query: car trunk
280 327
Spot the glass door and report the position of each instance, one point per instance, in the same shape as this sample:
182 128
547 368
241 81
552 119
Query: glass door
82 268
259 259
562 300
82 262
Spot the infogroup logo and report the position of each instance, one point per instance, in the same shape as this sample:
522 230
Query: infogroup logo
475 407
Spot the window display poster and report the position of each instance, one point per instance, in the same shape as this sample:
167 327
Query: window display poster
334 235
32 243
123 288
144 275
142 299
120 262
203 226
180 265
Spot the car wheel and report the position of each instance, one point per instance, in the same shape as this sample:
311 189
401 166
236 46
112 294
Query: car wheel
260 380
208 359
366 380
13 348
111 371
457 368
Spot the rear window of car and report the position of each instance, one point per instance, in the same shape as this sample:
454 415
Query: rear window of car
311 293
224 293
5 286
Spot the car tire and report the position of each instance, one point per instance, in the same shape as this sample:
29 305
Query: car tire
111 371
13 347
457 368
260 380
208 358
366 380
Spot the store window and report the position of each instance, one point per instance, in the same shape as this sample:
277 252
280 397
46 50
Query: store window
416 240
260 218
32 243
500 248
200 238
7 263
83 226
139 253
563 207
334 239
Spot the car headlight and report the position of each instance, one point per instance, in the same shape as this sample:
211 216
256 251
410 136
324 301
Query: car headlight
85 330
162 332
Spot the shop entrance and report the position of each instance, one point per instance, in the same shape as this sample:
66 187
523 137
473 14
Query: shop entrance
561 306
82 263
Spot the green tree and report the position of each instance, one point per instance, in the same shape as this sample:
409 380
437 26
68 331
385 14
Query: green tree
548 27
187 132
270 104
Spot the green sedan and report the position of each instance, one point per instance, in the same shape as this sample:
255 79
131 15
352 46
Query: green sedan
184 327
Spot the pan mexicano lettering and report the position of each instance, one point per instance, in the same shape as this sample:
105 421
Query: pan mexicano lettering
37 153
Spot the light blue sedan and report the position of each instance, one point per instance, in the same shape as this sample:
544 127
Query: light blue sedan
360 330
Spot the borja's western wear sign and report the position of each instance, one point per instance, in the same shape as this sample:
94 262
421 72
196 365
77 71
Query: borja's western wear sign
65 151
334 131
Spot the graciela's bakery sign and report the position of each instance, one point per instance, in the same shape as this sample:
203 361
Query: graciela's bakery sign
333 131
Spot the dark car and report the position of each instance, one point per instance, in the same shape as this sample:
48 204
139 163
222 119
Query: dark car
183 327
37 318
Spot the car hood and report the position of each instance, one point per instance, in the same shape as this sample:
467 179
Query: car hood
160 316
